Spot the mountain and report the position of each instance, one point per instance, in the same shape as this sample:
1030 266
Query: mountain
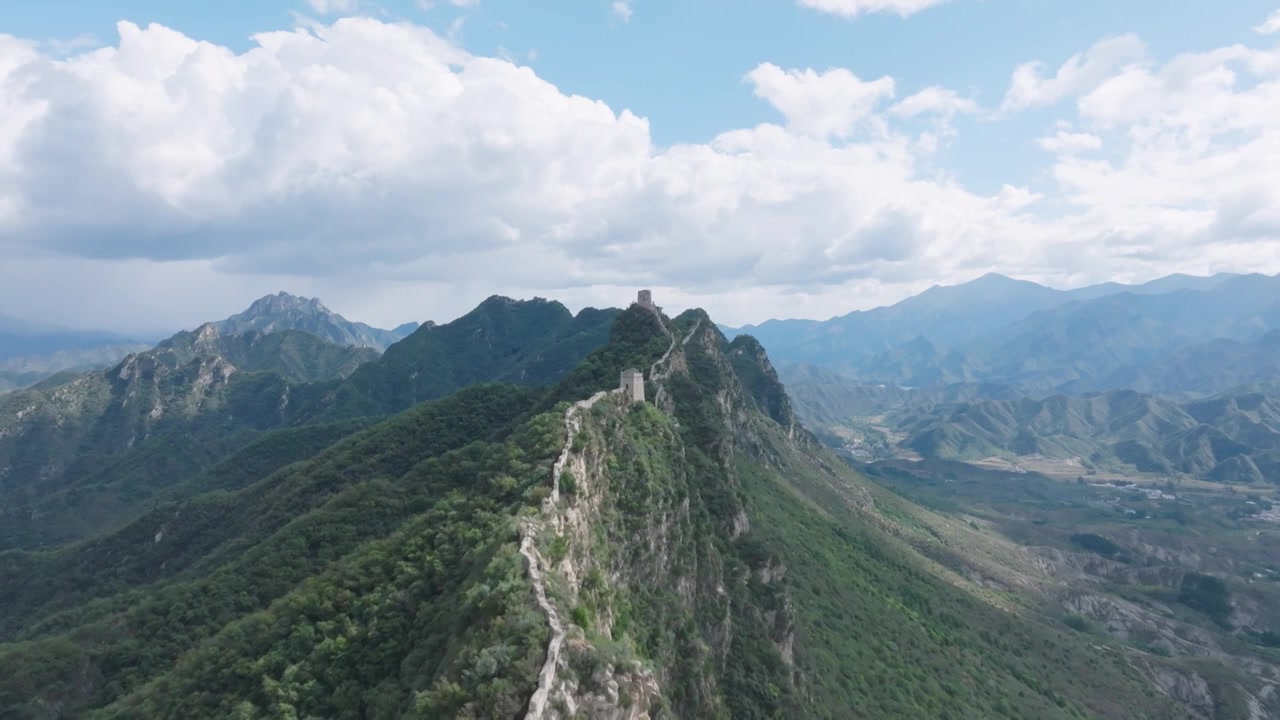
1232 438
30 353
81 453
1095 343
20 339
297 356
823 398
530 342
696 554
946 316
283 311
1197 370
24 371
76 453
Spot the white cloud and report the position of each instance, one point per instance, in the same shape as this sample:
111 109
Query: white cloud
821 105
1078 75
1270 25
853 8
934 100
621 9
358 157
326 7
1192 173
1069 143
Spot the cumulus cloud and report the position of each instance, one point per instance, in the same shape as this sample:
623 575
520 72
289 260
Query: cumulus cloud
853 8
934 100
1191 174
1270 25
1079 74
821 105
357 157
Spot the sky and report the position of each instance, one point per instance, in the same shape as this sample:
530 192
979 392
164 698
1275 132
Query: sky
163 164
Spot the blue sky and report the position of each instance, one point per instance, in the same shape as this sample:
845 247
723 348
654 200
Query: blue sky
684 67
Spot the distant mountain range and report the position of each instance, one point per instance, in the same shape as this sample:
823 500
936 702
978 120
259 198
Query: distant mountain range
1181 335
21 339
29 354
1230 438
946 315
823 397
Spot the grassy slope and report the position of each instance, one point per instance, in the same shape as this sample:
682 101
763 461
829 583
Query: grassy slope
886 633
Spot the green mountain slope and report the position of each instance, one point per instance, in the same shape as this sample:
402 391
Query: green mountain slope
76 455
488 555
21 372
1198 370
534 342
1231 438
81 454
29 355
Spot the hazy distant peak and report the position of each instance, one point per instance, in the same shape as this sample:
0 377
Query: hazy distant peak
284 311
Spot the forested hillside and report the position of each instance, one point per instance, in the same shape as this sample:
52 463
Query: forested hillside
80 454
557 551
1231 438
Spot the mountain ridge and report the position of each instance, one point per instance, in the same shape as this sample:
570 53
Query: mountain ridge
79 453
691 549
1074 346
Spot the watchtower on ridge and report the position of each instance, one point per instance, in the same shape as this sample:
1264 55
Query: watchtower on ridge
632 384
644 299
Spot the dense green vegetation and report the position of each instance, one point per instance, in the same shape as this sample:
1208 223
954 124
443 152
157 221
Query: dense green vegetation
86 455
710 558
532 343
146 602
1233 438
1208 594
1172 576
923 648
635 341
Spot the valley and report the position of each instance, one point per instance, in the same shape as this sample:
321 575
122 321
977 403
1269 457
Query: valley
1131 482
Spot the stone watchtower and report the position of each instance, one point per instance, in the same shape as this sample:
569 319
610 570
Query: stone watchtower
644 299
633 385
